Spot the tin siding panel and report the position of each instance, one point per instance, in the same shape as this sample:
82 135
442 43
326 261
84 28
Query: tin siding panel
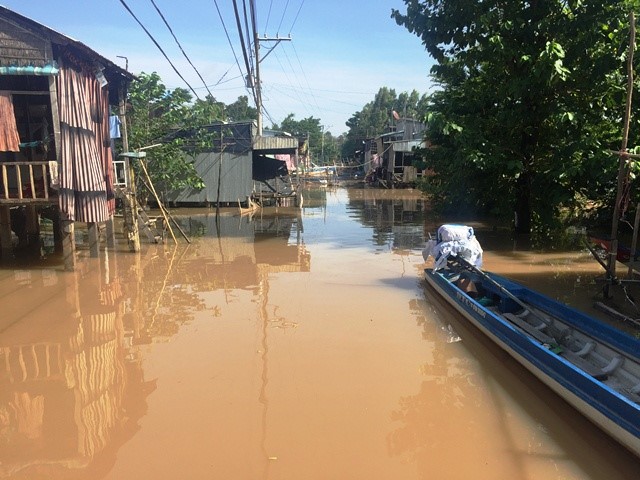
236 181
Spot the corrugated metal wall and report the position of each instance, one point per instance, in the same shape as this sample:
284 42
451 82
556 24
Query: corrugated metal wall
235 182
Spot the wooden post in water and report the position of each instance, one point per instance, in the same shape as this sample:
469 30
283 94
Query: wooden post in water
623 168
5 231
94 240
68 245
130 206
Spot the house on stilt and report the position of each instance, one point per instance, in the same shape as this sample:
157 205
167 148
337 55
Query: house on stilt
239 166
390 159
56 95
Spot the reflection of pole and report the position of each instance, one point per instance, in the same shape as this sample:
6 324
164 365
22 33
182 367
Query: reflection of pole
264 377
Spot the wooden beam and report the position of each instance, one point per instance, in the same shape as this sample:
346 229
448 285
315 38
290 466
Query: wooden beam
53 97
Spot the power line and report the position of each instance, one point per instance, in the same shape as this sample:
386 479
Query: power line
296 19
298 78
244 49
268 17
159 47
302 102
180 46
247 31
304 75
282 19
224 26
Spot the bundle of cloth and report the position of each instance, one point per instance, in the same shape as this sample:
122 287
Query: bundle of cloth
457 240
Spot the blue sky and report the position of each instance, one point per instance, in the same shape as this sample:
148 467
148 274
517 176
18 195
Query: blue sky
341 52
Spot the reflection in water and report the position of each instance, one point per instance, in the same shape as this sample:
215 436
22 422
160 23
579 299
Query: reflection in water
72 388
232 357
63 366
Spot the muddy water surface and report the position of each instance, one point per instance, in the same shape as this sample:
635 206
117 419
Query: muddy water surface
282 346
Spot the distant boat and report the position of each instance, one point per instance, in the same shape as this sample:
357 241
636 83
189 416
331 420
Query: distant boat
593 366
320 174
249 209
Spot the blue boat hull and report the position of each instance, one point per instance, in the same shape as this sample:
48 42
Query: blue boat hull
612 412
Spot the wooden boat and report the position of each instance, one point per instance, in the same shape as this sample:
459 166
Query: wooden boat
594 367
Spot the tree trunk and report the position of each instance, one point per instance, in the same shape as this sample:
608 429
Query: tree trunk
523 204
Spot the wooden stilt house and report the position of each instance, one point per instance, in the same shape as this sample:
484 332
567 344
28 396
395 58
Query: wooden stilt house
55 141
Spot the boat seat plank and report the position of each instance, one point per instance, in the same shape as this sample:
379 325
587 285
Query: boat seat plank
529 329
584 365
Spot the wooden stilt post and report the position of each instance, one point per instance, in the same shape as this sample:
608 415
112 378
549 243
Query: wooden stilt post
57 233
94 240
110 233
131 202
33 225
5 231
130 207
68 245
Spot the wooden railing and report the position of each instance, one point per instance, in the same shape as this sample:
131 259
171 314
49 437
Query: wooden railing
25 181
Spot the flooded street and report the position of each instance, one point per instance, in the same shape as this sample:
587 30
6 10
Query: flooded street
286 345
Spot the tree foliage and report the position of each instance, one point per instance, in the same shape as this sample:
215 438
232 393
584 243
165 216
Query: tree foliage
323 146
531 96
155 112
376 116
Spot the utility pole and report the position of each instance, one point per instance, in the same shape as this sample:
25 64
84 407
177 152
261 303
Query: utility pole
256 83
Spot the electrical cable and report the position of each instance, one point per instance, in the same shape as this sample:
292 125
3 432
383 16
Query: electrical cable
159 47
180 46
296 19
282 19
224 26
304 75
247 30
244 49
268 17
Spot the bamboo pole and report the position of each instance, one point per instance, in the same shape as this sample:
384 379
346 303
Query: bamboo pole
634 241
622 164
160 206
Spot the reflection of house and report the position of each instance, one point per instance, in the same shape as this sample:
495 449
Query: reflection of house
390 157
55 153
66 393
234 264
238 165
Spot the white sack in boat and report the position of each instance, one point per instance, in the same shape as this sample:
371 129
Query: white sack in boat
458 240
452 233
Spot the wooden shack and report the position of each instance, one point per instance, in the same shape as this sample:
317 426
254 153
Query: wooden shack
56 96
391 157
238 165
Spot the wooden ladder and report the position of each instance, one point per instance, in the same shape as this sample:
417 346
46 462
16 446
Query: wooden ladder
147 225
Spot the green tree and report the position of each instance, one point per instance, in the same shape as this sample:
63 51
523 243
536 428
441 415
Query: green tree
309 128
530 97
155 112
376 116
241 110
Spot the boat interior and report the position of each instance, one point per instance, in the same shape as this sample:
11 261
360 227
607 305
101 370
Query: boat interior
617 370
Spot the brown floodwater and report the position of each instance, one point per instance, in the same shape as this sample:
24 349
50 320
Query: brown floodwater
284 345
